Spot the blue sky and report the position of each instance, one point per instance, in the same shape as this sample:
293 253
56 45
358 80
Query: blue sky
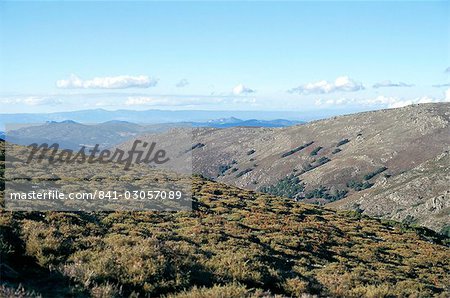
222 55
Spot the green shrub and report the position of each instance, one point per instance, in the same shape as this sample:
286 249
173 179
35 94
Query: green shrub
296 149
374 173
342 142
250 152
359 185
289 187
316 151
445 231
241 173
337 150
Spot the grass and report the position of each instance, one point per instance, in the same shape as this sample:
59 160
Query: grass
234 243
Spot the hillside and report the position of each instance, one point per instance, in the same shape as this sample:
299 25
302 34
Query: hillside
419 196
234 243
327 160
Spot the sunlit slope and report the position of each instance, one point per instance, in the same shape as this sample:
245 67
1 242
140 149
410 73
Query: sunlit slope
243 242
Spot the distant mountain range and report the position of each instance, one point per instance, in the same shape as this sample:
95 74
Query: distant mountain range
157 116
233 122
71 135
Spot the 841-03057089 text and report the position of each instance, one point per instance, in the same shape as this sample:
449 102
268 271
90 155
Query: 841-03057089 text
100 195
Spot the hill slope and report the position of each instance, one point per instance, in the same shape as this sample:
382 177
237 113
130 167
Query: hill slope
420 196
325 160
244 243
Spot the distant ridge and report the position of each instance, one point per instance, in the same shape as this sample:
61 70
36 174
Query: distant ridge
151 116
168 116
70 134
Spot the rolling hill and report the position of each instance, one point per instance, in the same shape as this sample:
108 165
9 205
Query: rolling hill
326 160
235 243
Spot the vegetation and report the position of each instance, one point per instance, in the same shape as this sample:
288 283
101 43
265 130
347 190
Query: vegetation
243 172
2 166
195 146
324 193
342 142
289 187
235 243
315 151
250 152
359 185
336 150
317 163
446 231
374 173
223 168
290 152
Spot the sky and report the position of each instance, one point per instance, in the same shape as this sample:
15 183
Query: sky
286 56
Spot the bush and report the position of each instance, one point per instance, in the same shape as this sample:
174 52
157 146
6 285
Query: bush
358 185
315 151
342 142
374 173
337 150
241 173
289 187
196 146
317 163
445 231
296 149
324 193
223 168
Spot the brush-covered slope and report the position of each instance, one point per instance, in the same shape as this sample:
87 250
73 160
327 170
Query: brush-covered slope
419 196
330 152
235 243
327 160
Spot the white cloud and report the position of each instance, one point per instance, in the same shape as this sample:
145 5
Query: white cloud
244 100
31 101
118 82
343 83
144 100
155 101
386 101
182 83
389 83
241 89
442 85
186 101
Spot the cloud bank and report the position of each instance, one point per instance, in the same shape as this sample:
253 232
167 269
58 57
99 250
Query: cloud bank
387 101
183 101
442 85
31 101
118 82
343 83
388 83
